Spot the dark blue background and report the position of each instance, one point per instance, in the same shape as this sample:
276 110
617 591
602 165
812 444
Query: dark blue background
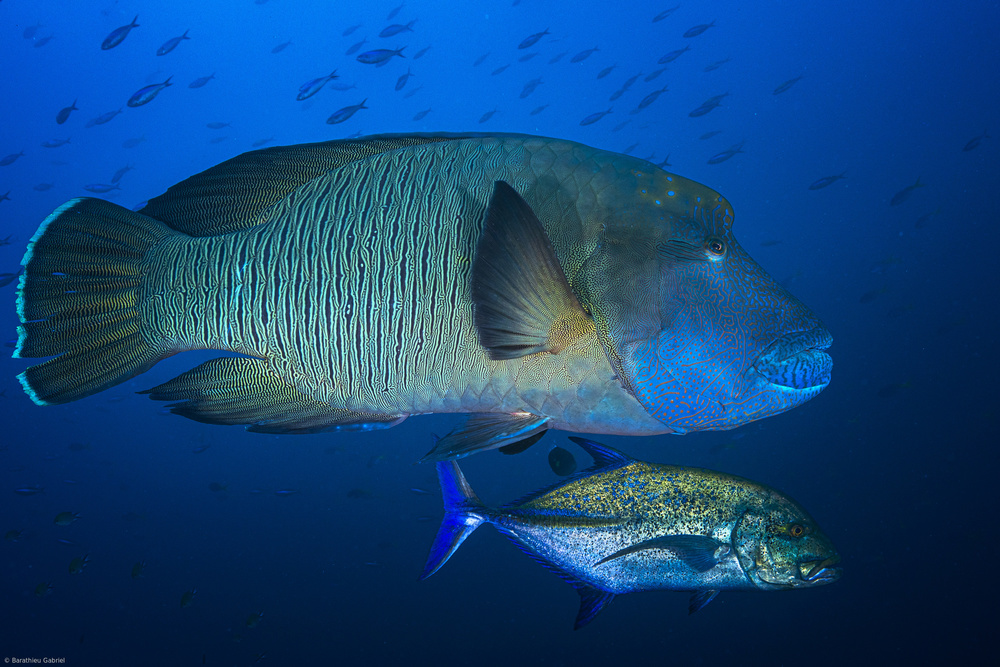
896 459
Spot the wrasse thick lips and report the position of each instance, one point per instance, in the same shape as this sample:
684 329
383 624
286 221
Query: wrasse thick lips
821 571
797 360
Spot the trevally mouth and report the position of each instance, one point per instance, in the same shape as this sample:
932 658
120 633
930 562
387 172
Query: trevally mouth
797 361
821 572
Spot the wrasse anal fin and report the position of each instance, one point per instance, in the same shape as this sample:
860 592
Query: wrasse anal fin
241 390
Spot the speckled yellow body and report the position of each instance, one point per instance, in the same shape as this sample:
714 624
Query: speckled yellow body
593 516
624 526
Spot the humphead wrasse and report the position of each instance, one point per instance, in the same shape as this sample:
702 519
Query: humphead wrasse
624 526
532 283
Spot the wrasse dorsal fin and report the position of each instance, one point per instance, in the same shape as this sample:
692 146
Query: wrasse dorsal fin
697 551
482 431
604 456
238 193
699 599
523 302
241 390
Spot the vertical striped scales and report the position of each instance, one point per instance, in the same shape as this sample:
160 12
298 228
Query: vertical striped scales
510 277
344 272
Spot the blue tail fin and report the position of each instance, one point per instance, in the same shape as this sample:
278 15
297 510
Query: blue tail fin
463 513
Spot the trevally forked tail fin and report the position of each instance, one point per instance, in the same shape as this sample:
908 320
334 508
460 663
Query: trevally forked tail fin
463 513
78 300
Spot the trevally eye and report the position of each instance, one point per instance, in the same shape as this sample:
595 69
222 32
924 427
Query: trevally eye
716 247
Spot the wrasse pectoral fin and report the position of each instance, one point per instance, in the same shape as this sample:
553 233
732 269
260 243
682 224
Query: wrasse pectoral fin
699 599
241 390
524 303
482 431
697 551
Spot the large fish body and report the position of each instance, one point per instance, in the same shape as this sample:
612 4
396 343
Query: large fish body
532 282
624 526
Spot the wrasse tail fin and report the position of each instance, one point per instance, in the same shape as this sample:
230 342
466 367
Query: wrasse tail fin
242 390
463 513
78 301
524 303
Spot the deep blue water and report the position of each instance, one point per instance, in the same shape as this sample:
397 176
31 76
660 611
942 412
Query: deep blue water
896 459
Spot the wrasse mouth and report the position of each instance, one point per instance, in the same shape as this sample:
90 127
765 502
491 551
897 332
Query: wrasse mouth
797 360
821 572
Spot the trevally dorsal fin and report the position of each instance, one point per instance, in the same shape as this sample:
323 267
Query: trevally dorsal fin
523 302
605 459
699 552
604 456
482 431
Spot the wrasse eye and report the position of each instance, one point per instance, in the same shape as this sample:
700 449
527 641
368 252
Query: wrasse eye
796 530
716 247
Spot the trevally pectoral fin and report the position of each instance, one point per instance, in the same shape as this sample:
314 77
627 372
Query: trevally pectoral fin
699 552
523 303
699 599
241 390
484 431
